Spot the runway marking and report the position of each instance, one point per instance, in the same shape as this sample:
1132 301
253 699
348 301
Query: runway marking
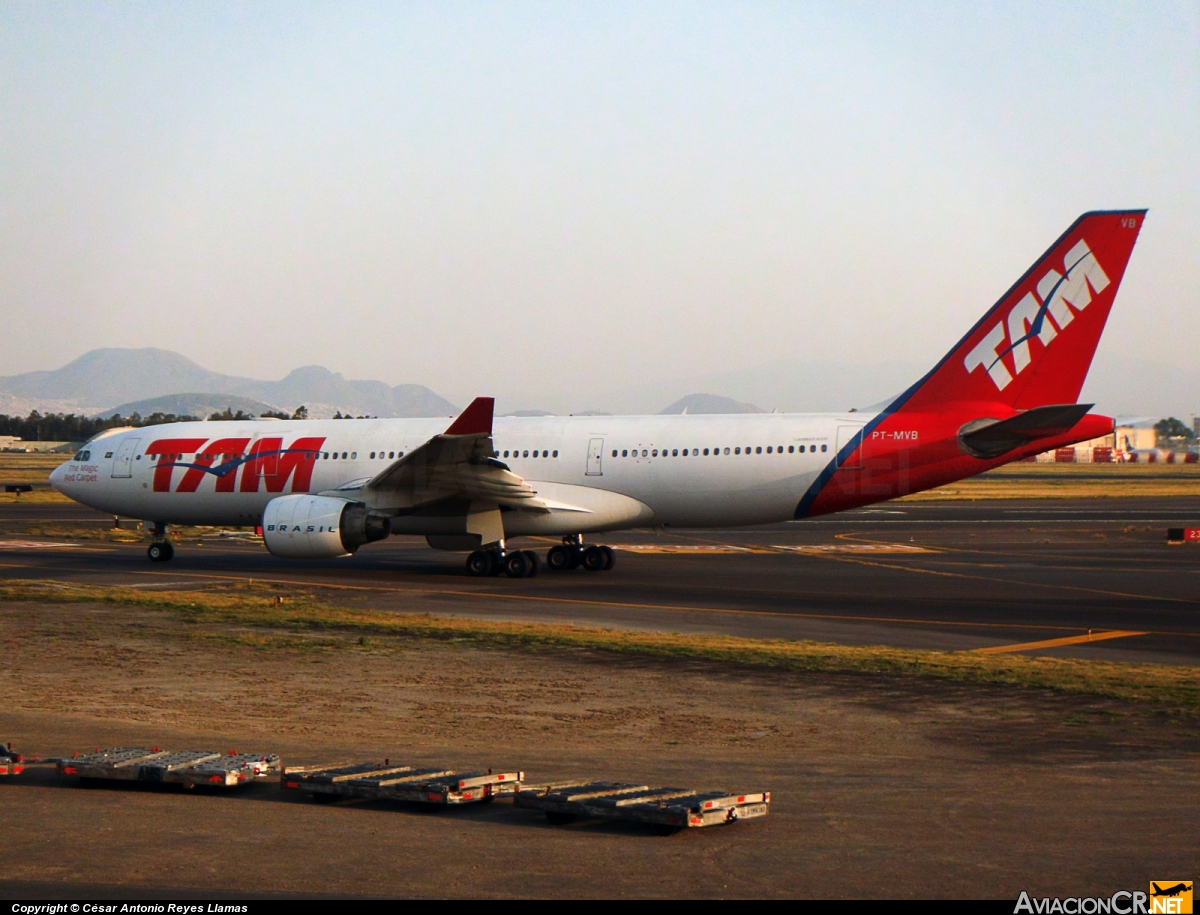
688 549
1011 581
1058 643
32 545
855 548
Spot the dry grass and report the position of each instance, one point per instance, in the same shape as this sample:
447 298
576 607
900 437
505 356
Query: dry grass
1070 481
1171 688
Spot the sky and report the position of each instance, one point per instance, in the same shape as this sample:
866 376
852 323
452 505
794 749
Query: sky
535 197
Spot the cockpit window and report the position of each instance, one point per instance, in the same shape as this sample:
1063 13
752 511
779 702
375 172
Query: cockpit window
83 455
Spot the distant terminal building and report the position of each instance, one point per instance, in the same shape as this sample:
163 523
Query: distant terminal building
1134 441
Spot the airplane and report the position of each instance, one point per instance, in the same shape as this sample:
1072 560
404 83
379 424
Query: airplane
1175 890
324 488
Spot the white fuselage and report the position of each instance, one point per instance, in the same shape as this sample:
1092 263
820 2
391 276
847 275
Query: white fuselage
693 471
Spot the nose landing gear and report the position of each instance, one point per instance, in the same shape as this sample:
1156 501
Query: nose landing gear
160 550
573 554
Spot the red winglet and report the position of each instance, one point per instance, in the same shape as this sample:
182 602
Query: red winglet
475 419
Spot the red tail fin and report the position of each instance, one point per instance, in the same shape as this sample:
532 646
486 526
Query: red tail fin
1035 345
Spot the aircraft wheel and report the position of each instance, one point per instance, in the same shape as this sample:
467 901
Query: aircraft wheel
480 564
610 557
160 552
534 565
574 557
516 565
558 559
593 559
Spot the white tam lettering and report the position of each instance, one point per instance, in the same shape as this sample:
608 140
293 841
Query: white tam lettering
987 354
1083 271
1021 325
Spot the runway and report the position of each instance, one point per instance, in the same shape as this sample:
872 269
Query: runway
1073 578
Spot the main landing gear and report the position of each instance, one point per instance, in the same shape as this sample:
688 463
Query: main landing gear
513 563
160 550
573 554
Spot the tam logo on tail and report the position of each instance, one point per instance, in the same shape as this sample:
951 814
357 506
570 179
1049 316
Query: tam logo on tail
1042 315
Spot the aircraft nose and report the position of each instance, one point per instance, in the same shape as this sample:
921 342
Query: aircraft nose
56 477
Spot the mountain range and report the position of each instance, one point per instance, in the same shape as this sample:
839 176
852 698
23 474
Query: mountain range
124 380
104 381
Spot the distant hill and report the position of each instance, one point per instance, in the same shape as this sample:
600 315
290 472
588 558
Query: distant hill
711 403
101 380
198 405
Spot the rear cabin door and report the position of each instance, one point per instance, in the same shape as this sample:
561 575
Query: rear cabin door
845 437
595 454
123 462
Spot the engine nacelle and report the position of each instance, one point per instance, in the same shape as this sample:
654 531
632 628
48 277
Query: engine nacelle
319 527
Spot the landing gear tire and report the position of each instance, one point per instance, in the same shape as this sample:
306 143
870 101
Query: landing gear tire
610 557
534 563
480 564
558 559
160 552
593 559
516 564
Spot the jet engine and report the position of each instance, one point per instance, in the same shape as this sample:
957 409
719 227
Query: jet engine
319 527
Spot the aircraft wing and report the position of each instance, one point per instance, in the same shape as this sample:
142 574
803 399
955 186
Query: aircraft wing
459 463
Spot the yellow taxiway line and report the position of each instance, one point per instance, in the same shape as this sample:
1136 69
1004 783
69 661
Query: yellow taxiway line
1058 643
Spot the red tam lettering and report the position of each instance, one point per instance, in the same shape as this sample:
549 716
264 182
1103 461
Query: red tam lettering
269 460
170 447
225 450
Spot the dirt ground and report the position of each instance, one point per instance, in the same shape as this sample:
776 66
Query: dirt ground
881 787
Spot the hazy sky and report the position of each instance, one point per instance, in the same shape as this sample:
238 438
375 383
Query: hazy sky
505 197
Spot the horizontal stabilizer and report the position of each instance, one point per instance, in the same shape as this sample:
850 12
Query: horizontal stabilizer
990 438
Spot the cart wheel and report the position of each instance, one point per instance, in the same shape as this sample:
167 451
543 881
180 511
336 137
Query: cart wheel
559 819
664 830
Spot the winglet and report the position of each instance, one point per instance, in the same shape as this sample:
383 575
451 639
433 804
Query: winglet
476 419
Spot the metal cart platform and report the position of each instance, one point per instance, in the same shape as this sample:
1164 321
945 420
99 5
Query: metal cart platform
184 767
668 810
399 783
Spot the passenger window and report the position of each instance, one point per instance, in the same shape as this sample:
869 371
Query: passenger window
769 451
614 452
737 450
399 454
526 454
758 450
108 454
326 455
535 454
644 454
354 455
727 451
556 452
675 453
654 453
372 455
624 452
824 447
335 455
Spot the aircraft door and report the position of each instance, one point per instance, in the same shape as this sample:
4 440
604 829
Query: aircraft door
845 437
595 454
123 462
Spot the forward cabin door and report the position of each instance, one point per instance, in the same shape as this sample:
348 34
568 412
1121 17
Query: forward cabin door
595 454
123 463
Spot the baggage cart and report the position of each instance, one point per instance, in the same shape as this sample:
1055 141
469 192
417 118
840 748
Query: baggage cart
428 785
667 810
183 767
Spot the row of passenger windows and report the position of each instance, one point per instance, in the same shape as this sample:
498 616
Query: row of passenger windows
536 453
676 452
308 455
